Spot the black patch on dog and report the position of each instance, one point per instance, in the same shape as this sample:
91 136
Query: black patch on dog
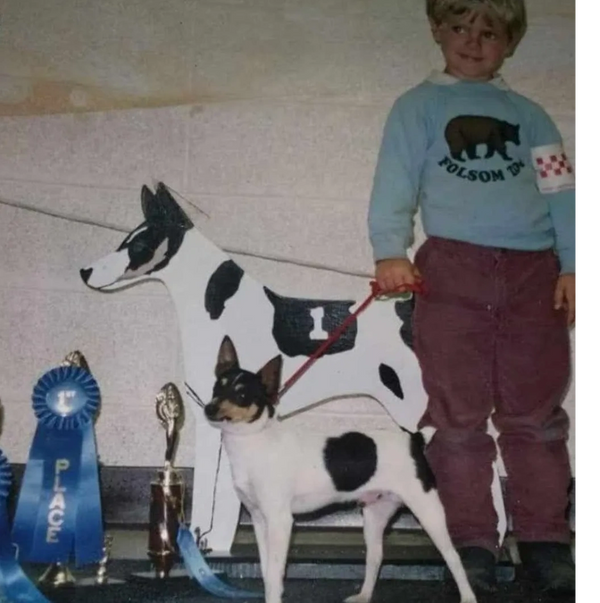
390 379
404 311
424 471
350 460
222 285
165 221
142 246
242 388
293 323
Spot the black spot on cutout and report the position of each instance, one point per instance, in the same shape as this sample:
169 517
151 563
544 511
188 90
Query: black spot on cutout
351 460
424 471
293 324
222 285
390 379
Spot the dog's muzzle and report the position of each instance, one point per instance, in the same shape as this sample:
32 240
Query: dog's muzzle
211 411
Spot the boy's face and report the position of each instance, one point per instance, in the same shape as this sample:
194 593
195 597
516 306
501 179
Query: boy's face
473 44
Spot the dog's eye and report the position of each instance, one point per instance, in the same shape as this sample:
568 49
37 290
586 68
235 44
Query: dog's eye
139 246
245 398
139 254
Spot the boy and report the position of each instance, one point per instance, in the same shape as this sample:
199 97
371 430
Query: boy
496 193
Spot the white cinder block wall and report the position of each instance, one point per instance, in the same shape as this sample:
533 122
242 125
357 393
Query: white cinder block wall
275 117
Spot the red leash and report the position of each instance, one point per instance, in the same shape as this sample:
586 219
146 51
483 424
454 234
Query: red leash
376 291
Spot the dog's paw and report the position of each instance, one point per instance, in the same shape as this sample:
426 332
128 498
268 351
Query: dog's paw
357 599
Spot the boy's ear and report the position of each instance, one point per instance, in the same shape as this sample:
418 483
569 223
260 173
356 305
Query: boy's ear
270 375
227 357
512 46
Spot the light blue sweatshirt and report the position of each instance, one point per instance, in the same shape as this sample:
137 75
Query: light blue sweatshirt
484 164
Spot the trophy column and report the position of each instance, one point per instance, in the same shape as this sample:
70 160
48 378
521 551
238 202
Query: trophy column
167 490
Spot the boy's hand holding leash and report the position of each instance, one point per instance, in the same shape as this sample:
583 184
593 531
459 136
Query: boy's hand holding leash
397 275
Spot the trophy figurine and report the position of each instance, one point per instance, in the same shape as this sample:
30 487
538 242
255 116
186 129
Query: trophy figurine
76 358
101 573
166 503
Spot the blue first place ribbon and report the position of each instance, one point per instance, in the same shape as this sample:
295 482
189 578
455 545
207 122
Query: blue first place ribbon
58 512
15 586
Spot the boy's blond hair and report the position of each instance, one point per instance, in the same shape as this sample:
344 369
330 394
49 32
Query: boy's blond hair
511 13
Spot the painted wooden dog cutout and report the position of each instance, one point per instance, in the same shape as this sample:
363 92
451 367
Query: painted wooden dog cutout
214 297
280 470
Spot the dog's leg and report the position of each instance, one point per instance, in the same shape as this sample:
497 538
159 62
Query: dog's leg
428 509
279 530
376 517
260 533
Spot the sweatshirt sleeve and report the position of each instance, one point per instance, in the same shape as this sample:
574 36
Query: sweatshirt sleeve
395 189
556 181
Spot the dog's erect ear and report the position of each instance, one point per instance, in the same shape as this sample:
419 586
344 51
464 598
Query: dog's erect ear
170 211
161 208
227 358
270 375
147 201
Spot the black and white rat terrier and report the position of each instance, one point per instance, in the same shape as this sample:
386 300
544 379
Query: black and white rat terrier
279 470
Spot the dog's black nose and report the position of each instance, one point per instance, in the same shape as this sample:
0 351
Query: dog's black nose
210 411
85 274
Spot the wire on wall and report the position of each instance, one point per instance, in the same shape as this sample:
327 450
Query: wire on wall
232 250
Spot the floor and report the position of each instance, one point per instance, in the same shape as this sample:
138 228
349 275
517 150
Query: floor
135 589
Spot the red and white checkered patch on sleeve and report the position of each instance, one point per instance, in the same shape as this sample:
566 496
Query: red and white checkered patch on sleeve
553 169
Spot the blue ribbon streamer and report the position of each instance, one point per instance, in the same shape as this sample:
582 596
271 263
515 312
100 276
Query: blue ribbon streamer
58 511
15 586
199 570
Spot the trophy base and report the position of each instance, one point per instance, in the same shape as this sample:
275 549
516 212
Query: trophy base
91 581
176 574
129 589
162 563
57 575
154 575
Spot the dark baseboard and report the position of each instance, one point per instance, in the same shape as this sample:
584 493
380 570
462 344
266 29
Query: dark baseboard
126 495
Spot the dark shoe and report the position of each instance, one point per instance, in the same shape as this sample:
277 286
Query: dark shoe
480 566
549 564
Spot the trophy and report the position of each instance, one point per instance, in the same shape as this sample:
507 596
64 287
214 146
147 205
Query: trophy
166 502
168 537
100 577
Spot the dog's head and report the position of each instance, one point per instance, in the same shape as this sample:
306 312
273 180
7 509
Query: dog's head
241 397
147 248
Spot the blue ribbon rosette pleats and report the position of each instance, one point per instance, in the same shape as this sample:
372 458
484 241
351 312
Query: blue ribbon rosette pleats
15 586
58 513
